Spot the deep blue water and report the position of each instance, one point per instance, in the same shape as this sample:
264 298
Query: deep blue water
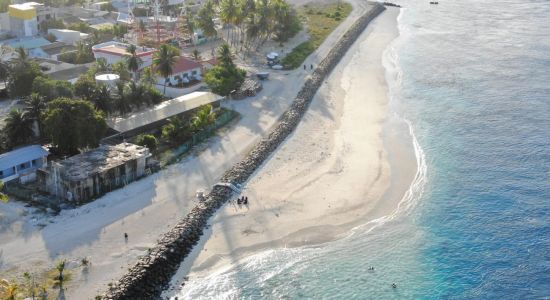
474 83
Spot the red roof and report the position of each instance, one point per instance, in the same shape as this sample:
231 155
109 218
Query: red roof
184 64
213 61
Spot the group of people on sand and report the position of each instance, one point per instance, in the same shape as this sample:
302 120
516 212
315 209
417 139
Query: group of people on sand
242 200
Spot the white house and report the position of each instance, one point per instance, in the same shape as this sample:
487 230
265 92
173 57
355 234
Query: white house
68 36
185 71
114 52
22 163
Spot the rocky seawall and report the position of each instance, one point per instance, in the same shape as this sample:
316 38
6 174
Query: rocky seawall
152 273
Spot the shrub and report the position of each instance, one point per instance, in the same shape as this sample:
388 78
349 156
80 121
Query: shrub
295 58
147 140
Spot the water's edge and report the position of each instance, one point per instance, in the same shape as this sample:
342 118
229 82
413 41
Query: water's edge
153 272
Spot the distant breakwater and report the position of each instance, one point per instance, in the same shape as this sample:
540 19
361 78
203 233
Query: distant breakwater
152 273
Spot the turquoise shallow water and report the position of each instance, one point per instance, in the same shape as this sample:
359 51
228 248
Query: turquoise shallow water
472 78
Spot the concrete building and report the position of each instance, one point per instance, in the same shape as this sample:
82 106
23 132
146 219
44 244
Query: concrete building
52 51
68 36
114 52
86 176
25 18
22 163
185 71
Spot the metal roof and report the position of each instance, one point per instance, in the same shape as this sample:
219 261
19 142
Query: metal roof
21 155
164 110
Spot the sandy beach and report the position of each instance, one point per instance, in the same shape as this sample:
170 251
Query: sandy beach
32 242
331 175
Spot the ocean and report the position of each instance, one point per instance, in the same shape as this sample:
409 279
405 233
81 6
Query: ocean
470 81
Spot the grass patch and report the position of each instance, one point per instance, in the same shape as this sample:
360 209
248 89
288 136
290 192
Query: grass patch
320 21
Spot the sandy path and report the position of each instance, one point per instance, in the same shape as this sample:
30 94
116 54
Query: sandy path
328 177
144 209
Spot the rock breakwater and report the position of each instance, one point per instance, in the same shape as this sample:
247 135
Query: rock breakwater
153 271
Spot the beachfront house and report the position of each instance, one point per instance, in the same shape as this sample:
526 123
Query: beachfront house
185 72
91 174
114 52
21 164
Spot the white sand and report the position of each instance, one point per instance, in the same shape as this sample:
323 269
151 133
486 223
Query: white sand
148 208
328 177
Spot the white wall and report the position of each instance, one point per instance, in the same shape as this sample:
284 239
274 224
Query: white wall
173 92
69 37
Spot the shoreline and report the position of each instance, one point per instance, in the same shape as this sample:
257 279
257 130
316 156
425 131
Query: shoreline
152 273
382 194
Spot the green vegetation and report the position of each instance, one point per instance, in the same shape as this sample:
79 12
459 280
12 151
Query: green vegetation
18 128
83 54
4 4
321 20
133 61
147 140
50 89
164 60
3 197
225 77
22 73
73 124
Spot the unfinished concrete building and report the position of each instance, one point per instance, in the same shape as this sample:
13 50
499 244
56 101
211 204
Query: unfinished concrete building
86 176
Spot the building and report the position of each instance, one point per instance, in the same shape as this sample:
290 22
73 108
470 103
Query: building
25 18
22 163
31 44
68 36
158 115
86 176
114 52
184 72
52 51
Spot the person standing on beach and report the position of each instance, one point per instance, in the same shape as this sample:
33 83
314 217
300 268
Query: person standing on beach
304 67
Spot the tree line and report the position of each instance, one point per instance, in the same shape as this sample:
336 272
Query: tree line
251 22
71 117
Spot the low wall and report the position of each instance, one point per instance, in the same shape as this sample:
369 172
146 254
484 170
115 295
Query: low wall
153 271
174 92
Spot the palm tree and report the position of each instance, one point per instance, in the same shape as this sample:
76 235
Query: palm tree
22 56
83 52
133 61
4 72
264 14
147 77
121 100
101 98
196 55
8 290
136 93
204 117
224 55
60 268
204 19
164 60
35 104
101 65
18 127
228 13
